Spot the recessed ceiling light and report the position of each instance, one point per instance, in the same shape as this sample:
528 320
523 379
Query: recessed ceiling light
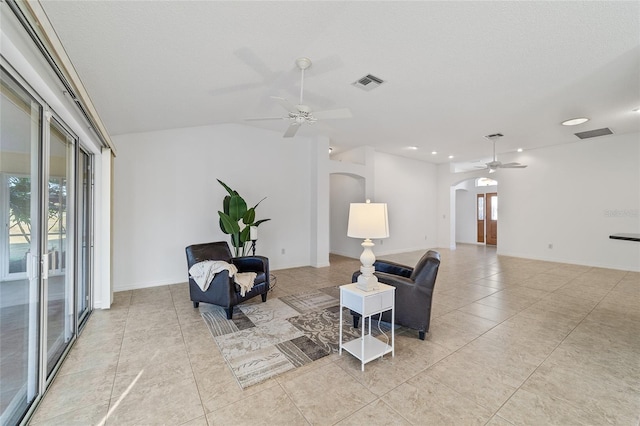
575 121
434 152
412 148
520 150
450 157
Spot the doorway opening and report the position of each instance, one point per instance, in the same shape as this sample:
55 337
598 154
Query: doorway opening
476 211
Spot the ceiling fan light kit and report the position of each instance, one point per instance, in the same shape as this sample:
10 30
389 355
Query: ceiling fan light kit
300 114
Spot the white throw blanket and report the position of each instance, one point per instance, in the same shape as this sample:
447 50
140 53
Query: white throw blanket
203 273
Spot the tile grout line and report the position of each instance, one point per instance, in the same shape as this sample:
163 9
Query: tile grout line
193 375
557 346
103 421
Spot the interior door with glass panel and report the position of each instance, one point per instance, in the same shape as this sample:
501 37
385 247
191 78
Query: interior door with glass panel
480 217
58 269
492 218
20 201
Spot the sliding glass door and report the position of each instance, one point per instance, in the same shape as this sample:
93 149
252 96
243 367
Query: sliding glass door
45 244
58 259
85 234
20 309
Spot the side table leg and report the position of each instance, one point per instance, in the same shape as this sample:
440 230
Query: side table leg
364 330
340 334
393 327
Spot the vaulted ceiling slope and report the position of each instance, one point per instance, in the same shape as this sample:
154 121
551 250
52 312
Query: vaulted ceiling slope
453 71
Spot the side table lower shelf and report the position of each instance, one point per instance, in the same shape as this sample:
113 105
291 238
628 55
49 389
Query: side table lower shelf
367 303
373 348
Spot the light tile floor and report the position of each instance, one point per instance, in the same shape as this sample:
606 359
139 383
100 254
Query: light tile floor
512 341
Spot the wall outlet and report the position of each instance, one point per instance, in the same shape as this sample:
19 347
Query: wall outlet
550 245
282 251
381 242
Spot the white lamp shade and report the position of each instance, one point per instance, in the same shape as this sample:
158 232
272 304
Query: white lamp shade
368 220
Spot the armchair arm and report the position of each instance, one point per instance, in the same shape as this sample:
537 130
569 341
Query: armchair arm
393 268
220 292
251 264
404 286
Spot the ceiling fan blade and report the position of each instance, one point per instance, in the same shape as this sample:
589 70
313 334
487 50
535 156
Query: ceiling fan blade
326 64
291 131
288 106
513 166
232 89
249 57
265 118
331 114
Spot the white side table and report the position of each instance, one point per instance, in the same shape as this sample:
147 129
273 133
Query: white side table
368 303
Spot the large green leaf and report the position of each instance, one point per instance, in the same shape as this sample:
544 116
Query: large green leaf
227 224
235 242
225 204
249 216
229 190
237 207
245 235
258 203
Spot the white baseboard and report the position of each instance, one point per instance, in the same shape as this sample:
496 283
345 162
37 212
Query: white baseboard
569 261
137 286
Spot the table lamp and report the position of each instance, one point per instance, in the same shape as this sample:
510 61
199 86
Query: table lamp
368 220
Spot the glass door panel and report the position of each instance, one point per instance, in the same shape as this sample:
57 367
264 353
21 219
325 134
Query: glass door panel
20 147
59 275
84 199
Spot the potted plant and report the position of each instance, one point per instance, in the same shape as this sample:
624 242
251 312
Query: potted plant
236 219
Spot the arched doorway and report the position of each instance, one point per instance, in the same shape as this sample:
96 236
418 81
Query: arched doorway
475 204
344 188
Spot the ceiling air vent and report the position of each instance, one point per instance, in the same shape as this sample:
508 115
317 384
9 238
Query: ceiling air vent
368 82
594 133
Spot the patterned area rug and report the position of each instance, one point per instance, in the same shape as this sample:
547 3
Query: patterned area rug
266 339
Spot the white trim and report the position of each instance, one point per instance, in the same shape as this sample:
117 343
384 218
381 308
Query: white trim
556 259
104 290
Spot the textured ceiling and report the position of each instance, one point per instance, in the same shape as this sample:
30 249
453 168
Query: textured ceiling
454 71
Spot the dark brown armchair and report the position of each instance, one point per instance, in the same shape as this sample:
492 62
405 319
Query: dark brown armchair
223 291
414 291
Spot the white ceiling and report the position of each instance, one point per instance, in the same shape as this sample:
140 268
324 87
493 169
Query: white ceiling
454 71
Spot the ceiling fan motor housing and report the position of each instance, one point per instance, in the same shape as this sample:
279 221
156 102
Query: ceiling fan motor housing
303 63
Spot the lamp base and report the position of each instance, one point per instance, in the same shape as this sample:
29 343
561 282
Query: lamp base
367 281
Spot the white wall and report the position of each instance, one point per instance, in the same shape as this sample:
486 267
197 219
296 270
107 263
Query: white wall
352 180
409 188
166 197
465 216
568 197
572 196
345 189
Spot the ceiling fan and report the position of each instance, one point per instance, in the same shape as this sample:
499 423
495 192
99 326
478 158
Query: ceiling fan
495 164
301 113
